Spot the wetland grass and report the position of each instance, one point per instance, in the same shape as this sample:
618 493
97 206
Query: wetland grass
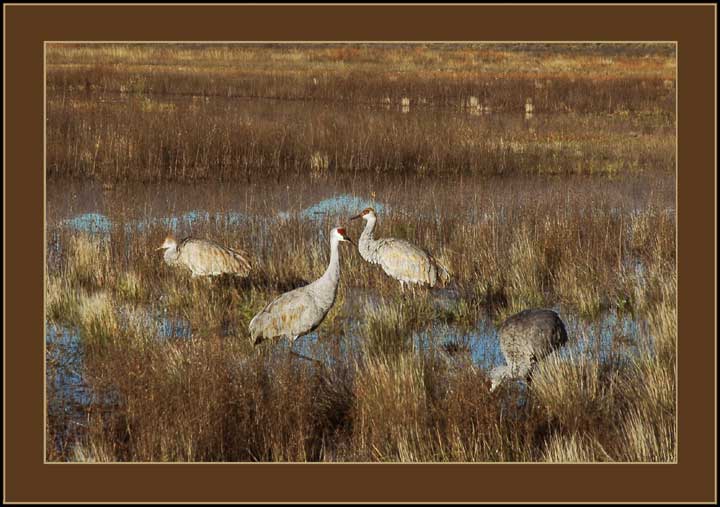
208 395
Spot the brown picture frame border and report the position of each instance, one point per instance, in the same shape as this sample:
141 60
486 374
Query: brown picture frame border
26 475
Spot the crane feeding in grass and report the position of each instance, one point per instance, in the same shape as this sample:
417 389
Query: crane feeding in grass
205 258
525 339
300 311
400 259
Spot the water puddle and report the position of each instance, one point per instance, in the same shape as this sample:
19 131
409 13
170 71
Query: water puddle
610 337
65 368
339 206
479 344
96 223
65 351
174 327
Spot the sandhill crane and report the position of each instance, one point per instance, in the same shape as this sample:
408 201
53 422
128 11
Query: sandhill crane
401 260
526 338
204 257
300 311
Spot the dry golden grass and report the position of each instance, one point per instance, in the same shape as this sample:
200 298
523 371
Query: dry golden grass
61 300
576 285
97 314
525 280
387 326
645 439
572 391
93 454
89 259
130 286
390 413
570 449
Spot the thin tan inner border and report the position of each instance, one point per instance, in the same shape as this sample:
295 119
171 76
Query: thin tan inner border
677 85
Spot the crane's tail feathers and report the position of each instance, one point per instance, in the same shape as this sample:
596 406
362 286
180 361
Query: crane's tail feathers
444 274
242 258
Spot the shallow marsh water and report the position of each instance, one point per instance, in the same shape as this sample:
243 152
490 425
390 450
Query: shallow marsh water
87 207
608 339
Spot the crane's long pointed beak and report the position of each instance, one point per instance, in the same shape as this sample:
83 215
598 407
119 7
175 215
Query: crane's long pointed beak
356 216
160 248
347 238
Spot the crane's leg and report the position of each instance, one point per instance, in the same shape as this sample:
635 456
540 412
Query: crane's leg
298 354
302 356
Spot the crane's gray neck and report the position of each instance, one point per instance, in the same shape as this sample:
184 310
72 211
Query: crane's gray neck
367 245
332 273
500 374
367 233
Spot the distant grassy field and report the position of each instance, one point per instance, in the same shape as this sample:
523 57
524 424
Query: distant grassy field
176 113
570 205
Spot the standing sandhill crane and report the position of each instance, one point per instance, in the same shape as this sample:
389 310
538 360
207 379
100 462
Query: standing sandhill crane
204 257
526 338
300 311
401 260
